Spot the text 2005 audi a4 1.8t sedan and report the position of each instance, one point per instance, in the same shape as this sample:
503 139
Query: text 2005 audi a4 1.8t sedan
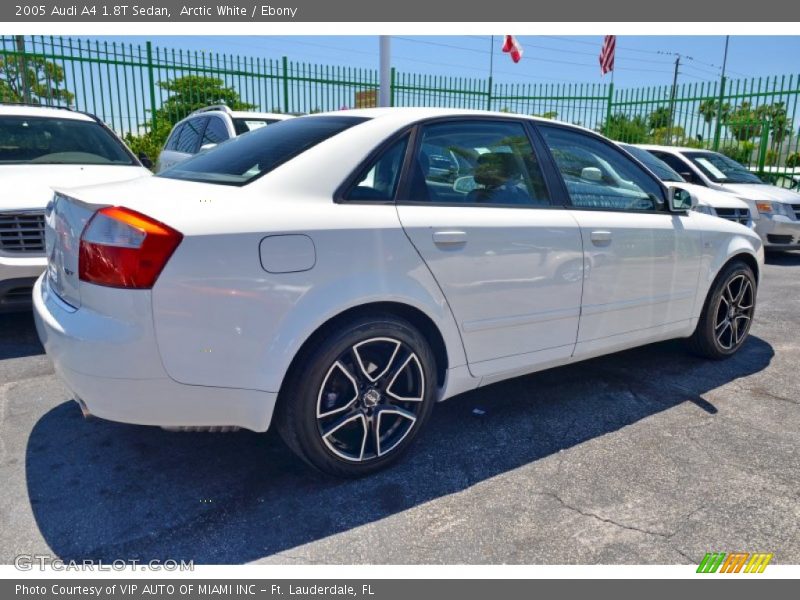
335 275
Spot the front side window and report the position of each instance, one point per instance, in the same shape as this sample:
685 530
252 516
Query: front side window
58 141
478 163
598 176
189 138
378 181
673 161
721 169
247 157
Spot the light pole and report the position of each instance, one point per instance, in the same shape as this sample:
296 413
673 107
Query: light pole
385 91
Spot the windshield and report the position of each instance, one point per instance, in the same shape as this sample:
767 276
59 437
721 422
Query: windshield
58 141
721 169
662 170
240 160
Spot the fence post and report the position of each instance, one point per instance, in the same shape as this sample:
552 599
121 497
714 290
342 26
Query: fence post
391 87
23 69
489 95
764 143
610 102
718 130
285 84
152 83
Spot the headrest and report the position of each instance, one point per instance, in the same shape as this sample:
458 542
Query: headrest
495 168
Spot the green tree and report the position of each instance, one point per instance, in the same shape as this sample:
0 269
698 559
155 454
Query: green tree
623 128
659 118
186 95
709 110
744 122
42 79
192 92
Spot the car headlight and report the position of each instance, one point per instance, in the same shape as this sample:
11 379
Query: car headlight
704 208
765 207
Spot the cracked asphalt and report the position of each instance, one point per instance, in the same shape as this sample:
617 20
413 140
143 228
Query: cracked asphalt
649 456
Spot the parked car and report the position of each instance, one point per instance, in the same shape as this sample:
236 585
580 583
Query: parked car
775 210
711 202
41 148
207 127
314 278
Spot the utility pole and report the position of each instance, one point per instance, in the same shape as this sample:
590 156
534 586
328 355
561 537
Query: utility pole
491 68
672 99
385 92
718 130
23 70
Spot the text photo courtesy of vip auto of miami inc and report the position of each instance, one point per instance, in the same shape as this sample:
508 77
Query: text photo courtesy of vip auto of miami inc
409 299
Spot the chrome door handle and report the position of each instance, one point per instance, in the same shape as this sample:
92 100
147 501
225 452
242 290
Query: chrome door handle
449 238
601 237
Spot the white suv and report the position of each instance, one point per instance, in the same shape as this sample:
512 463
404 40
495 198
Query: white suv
775 210
42 148
207 127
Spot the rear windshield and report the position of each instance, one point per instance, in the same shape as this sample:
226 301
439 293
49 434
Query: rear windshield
240 160
662 170
56 141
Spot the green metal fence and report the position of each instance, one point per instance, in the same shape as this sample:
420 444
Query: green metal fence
142 90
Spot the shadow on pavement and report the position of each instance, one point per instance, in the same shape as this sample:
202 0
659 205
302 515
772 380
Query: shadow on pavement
18 335
107 491
782 259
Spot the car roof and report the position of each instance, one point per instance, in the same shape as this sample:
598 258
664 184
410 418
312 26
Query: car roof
411 115
237 114
673 149
27 110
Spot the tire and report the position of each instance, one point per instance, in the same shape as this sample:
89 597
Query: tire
375 373
727 313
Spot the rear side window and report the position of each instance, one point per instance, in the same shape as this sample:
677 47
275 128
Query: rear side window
241 125
243 159
172 142
379 180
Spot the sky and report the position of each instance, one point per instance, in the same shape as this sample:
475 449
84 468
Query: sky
640 60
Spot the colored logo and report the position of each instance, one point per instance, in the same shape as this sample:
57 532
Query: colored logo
736 562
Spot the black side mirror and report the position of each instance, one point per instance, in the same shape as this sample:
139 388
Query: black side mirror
687 175
145 160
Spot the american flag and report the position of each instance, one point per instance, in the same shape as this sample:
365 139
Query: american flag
607 54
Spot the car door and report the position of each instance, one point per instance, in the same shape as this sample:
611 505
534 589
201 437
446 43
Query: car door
642 261
507 257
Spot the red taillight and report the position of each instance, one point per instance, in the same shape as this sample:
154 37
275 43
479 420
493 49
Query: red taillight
123 248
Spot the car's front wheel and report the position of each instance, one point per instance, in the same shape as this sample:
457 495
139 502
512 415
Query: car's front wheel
727 314
356 399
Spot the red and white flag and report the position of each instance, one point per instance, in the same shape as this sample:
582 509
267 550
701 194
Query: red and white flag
513 48
607 54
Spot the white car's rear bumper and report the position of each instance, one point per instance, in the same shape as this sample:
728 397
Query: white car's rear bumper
113 367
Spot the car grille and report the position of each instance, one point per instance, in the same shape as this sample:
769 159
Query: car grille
796 208
22 232
740 215
773 238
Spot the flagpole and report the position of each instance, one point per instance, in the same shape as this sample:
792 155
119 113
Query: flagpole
384 88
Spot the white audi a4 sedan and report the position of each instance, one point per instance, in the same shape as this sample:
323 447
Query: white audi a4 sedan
335 275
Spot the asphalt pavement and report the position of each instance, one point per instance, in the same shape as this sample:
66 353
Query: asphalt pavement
650 456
